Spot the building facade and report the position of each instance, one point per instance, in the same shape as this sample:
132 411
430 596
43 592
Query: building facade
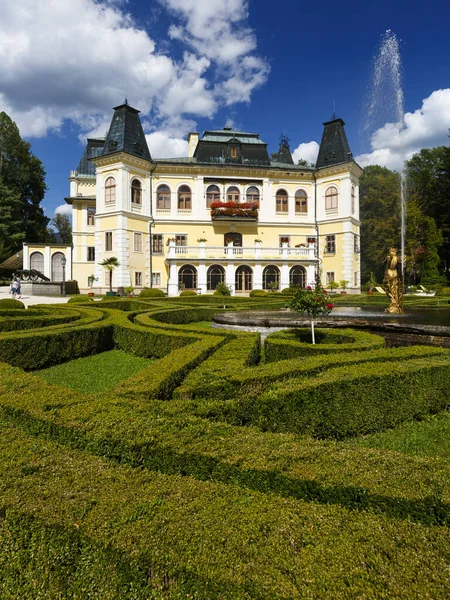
228 213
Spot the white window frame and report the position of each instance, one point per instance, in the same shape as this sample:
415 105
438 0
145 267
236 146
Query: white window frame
138 279
156 279
137 242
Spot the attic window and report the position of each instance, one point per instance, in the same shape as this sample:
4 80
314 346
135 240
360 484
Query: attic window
233 152
112 144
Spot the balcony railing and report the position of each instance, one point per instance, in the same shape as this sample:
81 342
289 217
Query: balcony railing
256 252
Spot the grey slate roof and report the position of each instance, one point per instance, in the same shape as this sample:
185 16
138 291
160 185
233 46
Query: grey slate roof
216 147
334 148
93 148
126 134
284 152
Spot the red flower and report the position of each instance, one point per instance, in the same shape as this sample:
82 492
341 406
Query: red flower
325 292
330 306
309 287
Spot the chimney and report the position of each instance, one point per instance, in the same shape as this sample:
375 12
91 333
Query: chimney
192 141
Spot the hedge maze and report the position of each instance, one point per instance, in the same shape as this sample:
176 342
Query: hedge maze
223 468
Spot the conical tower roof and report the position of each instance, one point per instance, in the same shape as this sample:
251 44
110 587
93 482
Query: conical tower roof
284 152
334 148
126 134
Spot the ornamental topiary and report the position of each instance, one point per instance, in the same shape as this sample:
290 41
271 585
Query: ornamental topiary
151 293
10 303
188 293
222 289
256 293
79 299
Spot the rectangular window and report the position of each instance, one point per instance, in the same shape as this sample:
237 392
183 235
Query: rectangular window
355 278
138 242
301 204
108 241
157 243
356 244
311 240
181 240
330 277
285 240
91 216
282 204
330 244
138 278
156 279
91 253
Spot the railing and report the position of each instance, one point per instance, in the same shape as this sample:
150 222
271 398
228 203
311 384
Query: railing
239 253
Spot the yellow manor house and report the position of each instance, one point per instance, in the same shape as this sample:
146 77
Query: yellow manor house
228 212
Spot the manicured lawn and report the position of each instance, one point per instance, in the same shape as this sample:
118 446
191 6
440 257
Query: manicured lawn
430 437
95 374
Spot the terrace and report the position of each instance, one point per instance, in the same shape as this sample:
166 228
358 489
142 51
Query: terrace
256 252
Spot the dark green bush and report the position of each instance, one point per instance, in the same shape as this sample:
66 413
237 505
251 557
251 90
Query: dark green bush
188 293
288 291
151 293
11 303
256 293
222 289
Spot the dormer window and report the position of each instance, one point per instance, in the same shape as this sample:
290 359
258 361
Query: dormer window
233 152
136 192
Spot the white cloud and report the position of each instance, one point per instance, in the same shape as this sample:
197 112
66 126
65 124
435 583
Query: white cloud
76 60
307 151
426 127
64 209
164 145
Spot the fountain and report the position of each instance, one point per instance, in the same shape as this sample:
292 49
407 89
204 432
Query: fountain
385 106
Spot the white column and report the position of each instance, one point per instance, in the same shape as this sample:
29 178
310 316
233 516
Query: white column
284 282
47 262
26 257
201 283
230 277
257 276
172 284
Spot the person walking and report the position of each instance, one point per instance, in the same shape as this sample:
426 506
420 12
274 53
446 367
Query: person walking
19 285
14 288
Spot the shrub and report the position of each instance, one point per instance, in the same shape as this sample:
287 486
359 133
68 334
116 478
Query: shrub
289 291
79 299
151 293
256 293
188 293
222 289
8 303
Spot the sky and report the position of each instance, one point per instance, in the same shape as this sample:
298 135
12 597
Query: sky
266 67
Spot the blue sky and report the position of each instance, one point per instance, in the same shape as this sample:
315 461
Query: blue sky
200 64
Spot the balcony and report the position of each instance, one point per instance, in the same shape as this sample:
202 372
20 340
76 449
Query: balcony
230 253
234 211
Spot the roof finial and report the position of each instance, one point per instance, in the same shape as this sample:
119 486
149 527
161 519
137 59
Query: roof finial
334 110
126 101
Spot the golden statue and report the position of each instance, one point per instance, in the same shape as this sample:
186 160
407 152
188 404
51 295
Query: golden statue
392 282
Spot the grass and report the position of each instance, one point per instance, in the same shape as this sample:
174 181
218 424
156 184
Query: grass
94 374
430 437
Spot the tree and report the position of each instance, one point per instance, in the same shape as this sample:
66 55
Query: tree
428 174
63 226
314 302
110 264
22 189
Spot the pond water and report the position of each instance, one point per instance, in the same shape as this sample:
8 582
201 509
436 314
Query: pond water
423 316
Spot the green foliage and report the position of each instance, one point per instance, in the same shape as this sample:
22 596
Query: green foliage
257 293
63 226
22 189
222 289
313 302
110 264
151 293
188 293
11 303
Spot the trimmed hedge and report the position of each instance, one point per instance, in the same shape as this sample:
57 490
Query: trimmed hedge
11 303
81 299
13 322
345 401
297 343
188 293
151 293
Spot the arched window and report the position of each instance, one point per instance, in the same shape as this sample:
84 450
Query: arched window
57 270
271 278
331 198
353 199
136 192
110 190
233 194
184 198
37 262
301 202
253 195
297 276
212 195
244 279
187 277
163 197
214 276
282 201
233 152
